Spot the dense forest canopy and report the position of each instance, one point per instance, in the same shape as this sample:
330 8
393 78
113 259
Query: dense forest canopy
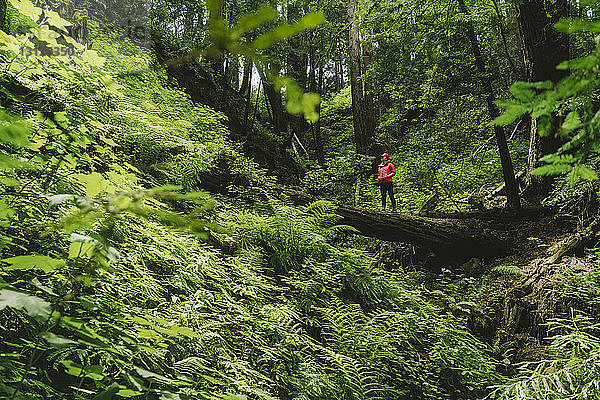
193 199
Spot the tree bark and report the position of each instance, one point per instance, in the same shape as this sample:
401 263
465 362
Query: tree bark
362 136
512 190
78 30
297 60
275 102
454 239
246 91
543 48
315 86
318 137
233 71
368 88
443 237
247 78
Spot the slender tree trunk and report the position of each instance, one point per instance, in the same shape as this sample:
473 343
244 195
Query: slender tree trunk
297 59
255 108
246 90
512 190
342 77
368 89
362 136
233 71
275 101
543 48
247 78
511 63
217 62
316 87
78 30
318 137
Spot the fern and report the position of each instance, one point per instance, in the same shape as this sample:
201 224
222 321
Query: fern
507 270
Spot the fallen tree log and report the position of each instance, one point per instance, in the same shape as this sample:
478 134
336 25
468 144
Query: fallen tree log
445 237
442 236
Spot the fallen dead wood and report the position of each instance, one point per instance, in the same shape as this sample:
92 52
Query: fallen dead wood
445 236
440 235
569 246
522 302
500 214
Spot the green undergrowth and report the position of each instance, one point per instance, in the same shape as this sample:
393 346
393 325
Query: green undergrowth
121 278
117 286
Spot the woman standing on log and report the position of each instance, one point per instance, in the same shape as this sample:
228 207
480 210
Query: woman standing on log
386 172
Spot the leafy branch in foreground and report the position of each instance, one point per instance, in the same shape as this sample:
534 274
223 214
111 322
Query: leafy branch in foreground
573 99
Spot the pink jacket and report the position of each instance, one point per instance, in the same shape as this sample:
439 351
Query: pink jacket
386 172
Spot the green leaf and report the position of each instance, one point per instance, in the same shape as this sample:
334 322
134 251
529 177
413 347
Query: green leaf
584 172
27 8
14 130
12 182
9 162
512 111
81 250
311 20
522 91
571 25
94 372
45 263
57 21
129 393
571 122
108 393
552 169
544 125
250 21
94 183
169 396
558 158
56 340
151 375
34 306
582 63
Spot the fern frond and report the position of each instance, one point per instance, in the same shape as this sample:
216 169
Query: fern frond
508 270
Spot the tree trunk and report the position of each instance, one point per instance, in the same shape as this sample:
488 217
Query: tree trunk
297 60
318 138
336 77
362 136
439 235
368 89
247 78
246 91
218 62
78 30
315 86
512 190
275 102
233 71
543 48
454 239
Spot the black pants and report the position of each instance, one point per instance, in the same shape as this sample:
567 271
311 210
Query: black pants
387 187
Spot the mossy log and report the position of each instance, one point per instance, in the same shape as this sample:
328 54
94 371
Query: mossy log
442 236
482 234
